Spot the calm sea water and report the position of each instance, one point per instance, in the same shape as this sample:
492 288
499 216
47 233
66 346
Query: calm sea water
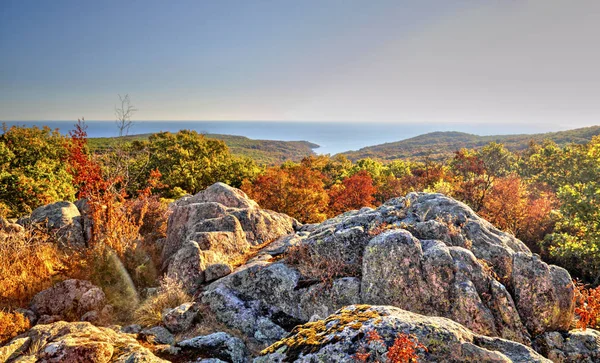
333 137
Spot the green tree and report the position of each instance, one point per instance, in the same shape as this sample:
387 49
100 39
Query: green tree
33 169
191 162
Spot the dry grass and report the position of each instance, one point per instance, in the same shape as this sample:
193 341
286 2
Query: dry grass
30 261
12 324
170 295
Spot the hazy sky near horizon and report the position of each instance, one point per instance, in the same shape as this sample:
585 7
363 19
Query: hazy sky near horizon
514 61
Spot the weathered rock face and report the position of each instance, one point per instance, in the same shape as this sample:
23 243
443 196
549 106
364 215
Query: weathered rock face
431 278
425 253
69 300
213 228
220 345
340 336
576 346
64 218
75 342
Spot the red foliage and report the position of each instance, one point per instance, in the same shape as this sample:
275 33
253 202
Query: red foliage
587 306
87 173
404 349
355 192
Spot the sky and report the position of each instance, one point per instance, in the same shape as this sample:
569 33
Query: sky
438 61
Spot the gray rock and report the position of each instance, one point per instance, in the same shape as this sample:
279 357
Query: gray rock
70 300
576 346
220 345
216 271
223 222
338 338
62 217
180 318
543 294
132 329
430 278
157 335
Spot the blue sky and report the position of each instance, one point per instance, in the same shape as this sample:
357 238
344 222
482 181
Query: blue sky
392 61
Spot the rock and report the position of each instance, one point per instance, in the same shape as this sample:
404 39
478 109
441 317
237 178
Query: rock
219 345
338 338
216 226
86 219
76 342
157 335
253 318
180 318
70 300
64 218
132 329
543 294
430 278
425 253
576 346
216 271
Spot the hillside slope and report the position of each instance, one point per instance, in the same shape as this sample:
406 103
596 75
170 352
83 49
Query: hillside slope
267 152
439 145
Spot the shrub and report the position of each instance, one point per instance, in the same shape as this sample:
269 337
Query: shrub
587 306
30 262
170 295
12 324
404 349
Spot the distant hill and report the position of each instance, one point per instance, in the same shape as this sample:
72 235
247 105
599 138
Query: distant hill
439 145
266 152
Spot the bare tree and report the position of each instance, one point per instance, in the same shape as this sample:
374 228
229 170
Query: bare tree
123 114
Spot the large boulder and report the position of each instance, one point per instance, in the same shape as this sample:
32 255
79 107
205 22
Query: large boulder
425 253
217 226
61 217
339 337
75 342
430 278
69 300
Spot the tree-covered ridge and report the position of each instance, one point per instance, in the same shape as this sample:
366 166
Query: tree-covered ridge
264 152
440 145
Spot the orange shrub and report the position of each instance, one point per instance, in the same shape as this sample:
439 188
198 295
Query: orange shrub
404 349
30 261
587 306
12 324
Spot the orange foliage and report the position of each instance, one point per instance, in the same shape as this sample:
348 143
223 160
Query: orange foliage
12 324
404 349
297 191
355 192
587 306
510 206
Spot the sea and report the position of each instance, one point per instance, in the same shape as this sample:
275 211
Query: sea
332 137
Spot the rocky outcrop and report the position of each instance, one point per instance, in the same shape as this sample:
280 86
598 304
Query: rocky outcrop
425 253
75 342
70 300
61 217
220 346
210 230
576 346
339 337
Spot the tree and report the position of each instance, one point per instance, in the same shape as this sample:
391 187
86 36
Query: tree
123 112
33 171
354 192
192 162
295 190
